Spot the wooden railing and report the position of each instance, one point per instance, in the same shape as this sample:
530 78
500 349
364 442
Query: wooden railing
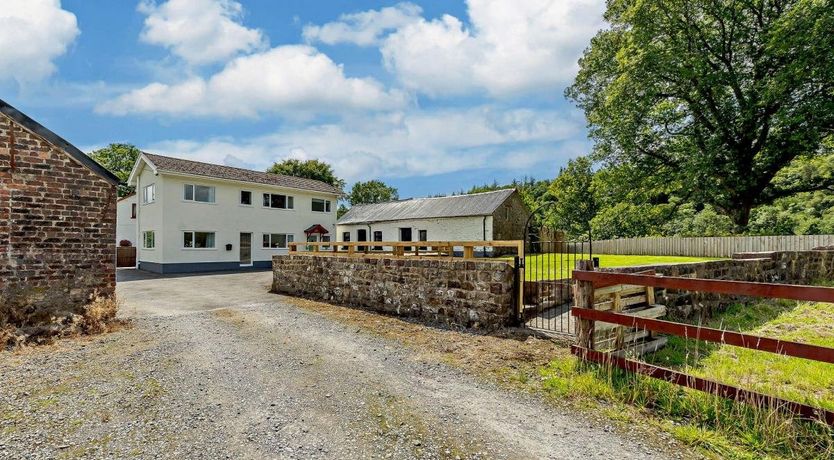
587 280
467 249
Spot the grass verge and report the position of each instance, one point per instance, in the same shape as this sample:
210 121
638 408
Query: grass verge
559 266
721 428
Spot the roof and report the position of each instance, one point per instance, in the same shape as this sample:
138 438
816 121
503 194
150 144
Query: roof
476 204
178 165
31 125
317 228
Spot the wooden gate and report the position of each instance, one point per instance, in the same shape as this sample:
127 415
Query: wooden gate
125 256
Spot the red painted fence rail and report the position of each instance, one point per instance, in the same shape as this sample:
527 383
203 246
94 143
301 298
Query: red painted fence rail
741 288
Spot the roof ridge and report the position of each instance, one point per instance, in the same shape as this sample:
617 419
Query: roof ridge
287 176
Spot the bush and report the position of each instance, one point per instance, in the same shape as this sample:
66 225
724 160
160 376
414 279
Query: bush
125 243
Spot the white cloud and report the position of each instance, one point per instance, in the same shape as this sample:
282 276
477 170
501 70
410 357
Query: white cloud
199 31
404 144
511 46
363 28
291 80
33 33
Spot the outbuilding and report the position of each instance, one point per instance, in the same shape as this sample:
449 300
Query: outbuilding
57 223
496 215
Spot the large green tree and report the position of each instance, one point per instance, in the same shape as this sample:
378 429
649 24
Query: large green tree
575 200
118 159
715 96
309 169
372 191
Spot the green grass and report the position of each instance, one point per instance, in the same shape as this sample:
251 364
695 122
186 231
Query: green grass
714 425
559 266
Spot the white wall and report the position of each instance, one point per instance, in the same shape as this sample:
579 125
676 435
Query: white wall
228 218
149 216
125 224
445 229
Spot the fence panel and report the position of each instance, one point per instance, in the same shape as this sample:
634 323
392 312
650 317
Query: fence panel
719 246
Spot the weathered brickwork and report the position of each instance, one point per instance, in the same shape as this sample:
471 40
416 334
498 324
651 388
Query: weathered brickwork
475 294
791 267
57 230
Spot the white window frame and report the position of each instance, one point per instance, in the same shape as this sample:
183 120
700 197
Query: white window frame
288 238
145 240
325 205
194 237
149 193
193 199
251 197
289 201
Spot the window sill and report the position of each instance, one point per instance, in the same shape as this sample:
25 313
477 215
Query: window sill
199 249
199 202
278 209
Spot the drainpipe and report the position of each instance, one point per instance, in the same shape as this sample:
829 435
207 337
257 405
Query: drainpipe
485 238
139 243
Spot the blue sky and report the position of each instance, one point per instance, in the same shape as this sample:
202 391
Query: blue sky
431 97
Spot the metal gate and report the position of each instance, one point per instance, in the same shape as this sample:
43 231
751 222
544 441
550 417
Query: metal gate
548 285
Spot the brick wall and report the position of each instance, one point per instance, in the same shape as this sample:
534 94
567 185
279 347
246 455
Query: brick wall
474 294
508 221
57 230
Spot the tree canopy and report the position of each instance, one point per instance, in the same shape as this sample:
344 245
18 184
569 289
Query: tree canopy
309 169
372 191
118 159
720 100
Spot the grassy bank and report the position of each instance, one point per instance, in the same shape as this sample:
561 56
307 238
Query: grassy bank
558 266
718 427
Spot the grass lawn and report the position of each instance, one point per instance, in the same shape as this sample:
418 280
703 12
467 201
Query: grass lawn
718 427
558 266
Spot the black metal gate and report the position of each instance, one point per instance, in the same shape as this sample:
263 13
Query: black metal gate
548 285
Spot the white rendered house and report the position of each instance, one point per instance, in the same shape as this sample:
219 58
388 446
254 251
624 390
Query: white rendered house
126 210
194 216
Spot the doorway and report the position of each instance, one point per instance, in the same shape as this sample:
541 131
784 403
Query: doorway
245 249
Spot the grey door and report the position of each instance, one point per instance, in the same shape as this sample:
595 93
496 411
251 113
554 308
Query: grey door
246 249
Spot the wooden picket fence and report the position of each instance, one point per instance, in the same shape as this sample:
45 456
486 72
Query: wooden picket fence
718 246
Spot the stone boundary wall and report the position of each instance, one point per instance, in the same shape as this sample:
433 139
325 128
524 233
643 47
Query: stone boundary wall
477 294
788 267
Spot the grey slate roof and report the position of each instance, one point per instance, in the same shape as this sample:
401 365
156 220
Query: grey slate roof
476 204
23 120
178 165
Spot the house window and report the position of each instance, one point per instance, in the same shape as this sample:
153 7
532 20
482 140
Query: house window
346 237
272 200
422 235
246 197
149 193
320 205
377 237
325 239
199 193
132 210
198 240
276 240
148 240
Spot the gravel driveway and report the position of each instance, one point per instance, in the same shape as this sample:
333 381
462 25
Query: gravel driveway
216 367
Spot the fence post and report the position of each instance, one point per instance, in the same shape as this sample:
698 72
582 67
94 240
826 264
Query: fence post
585 299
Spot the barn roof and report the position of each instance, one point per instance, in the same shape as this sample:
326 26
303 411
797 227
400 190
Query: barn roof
198 168
33 126
475 204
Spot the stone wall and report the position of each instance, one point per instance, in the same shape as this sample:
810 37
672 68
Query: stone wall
57 230
475 294
789 267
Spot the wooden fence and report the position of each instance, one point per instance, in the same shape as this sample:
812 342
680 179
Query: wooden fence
719 246
466 249
125 256
586 314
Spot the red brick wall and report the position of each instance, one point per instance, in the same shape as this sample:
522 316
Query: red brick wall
57 229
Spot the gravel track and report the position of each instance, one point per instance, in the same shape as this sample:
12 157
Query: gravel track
262 378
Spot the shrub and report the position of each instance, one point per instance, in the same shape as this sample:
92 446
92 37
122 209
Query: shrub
125 243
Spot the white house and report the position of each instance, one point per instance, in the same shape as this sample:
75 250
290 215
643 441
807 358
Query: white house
126 209
194 216
498 215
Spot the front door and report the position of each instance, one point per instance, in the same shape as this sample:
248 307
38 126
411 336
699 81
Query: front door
245 249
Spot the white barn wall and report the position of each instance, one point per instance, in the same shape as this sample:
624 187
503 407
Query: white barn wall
440 229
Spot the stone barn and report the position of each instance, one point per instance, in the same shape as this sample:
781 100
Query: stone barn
57 225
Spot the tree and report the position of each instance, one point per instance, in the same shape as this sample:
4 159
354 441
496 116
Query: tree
372 191
715 96
309 169
575 202
118 159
